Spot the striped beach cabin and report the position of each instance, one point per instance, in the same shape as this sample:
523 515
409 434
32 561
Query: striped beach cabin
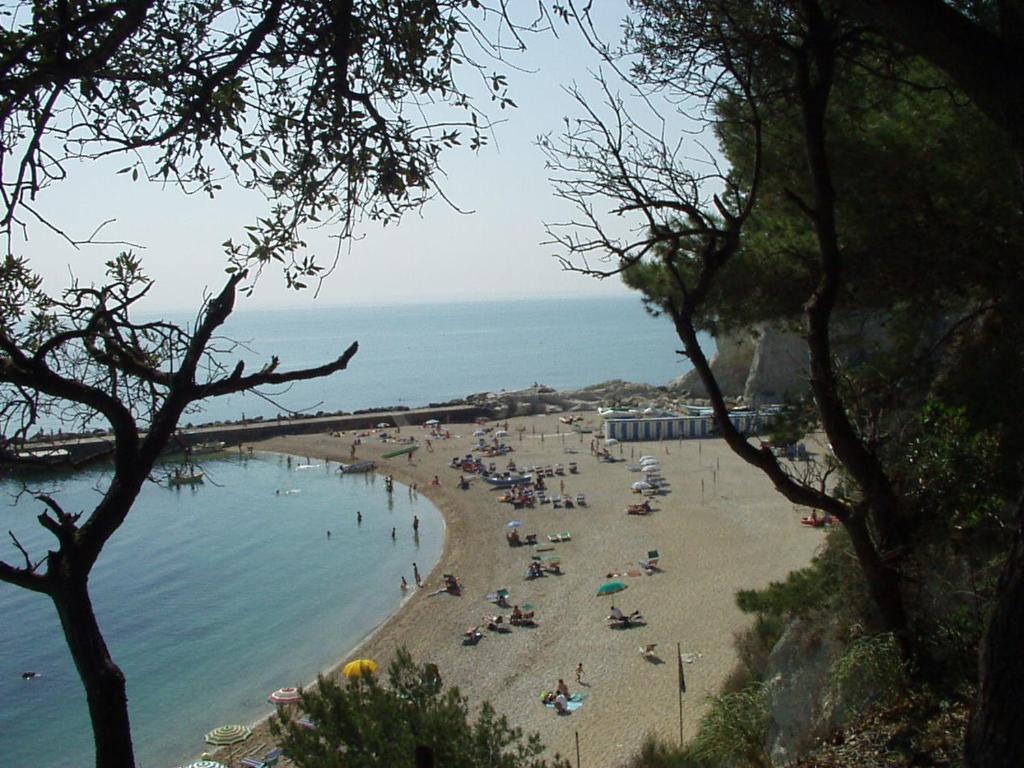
679 427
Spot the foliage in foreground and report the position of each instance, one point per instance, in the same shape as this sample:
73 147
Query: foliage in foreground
364 723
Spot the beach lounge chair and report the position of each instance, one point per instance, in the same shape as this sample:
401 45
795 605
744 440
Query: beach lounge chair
651 563
581 500
554 538
556 502
565 536
531 539
252 762
271 758
573 469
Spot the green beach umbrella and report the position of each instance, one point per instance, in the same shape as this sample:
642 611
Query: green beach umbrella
610 588
228 734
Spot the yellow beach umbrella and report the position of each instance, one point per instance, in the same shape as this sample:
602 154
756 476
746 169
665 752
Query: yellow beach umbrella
359 668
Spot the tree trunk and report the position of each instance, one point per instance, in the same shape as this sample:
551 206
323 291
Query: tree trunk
103 680
883 581
995 735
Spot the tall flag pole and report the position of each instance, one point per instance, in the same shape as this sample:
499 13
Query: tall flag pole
682 689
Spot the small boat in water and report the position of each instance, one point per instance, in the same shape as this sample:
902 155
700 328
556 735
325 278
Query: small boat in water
357 468
187 477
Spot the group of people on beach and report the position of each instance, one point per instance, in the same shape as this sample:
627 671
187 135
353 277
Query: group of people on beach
561 696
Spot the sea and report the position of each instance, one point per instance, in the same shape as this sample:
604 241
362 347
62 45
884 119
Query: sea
211 597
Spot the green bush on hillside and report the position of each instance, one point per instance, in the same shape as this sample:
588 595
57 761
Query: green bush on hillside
734 731
869 674
366 725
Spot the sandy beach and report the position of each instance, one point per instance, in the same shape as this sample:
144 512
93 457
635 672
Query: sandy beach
721 527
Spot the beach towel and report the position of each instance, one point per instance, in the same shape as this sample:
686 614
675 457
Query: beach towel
575 702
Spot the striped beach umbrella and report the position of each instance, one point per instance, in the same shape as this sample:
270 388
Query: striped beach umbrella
228 734
284 696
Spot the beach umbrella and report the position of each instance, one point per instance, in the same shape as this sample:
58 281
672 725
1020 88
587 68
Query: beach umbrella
611 441
359 668
431 422
284 696
649 468
479 433
641 485
206 764
383 425
501 433
514 524
228 734
647 458
610 588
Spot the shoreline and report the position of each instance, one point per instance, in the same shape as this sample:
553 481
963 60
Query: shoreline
333 667
741 534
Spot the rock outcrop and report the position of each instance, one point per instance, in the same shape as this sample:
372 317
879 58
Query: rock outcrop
763 364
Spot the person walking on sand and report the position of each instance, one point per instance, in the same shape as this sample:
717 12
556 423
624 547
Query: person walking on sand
579 673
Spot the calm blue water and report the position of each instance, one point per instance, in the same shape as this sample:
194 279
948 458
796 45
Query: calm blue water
413 355
210 598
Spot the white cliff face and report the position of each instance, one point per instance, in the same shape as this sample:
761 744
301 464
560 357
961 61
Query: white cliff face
779 366
731 365
761 365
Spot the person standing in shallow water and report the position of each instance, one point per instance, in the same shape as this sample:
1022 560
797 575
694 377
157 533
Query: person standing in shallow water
359 517
416 575
415 524
392 534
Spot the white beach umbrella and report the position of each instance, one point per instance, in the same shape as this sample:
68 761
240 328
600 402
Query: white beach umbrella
650 468
383 425
648 458
431 422
641 485
501 433
611 441
479 433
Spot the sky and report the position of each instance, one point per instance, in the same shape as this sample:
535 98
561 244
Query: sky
434 255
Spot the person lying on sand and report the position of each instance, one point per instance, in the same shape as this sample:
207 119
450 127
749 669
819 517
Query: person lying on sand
619 619
497 624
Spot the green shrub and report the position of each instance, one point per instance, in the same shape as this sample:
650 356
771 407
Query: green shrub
655 753
869 674
734 731
362 724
